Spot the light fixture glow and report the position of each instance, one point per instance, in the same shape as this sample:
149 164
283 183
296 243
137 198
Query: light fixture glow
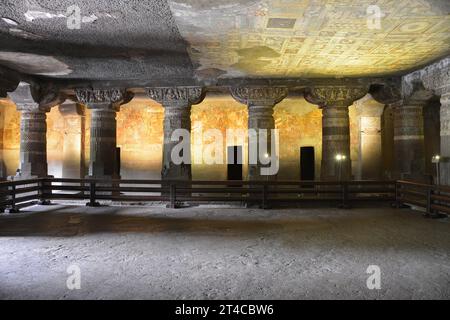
436 159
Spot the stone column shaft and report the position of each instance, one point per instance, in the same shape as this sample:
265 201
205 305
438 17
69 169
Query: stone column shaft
445 139
260 102
74 138
177 102
103 103
409 145
176 116
335 140
260 117
33 143
103 144
335 101
33 102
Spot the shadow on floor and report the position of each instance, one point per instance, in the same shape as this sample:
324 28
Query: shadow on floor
67 221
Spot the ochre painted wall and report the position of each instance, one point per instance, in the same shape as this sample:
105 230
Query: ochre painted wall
140 136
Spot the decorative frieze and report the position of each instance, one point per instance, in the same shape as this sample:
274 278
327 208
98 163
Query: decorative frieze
335 95
169 96
103 98
259 96
435 77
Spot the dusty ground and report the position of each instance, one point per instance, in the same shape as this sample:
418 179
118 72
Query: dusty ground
196 253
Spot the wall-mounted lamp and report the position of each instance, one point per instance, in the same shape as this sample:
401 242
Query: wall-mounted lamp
436 160
339 159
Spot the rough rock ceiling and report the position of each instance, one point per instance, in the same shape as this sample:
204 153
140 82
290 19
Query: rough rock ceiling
172 40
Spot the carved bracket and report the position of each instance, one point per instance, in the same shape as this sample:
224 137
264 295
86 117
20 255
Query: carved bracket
36 97
169 96
335 95
259 96
386 94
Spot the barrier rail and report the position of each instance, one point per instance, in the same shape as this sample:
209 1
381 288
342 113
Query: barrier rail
433 199
14 194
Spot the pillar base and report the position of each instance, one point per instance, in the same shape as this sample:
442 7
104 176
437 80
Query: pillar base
93 205
11 210
435 216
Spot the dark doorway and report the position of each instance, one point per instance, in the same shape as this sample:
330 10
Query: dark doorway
234 163
307 164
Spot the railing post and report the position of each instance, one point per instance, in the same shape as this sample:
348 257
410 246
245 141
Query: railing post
264 204
42 193
344 204
12 207
397 199
4 198
429 210
173 195
92 202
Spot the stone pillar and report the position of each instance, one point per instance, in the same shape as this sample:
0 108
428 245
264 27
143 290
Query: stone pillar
370 140
335 141
33 142
388 140
104 104
177 102
260 102
33 127
3 173
445 138
409 144
74 138
335 101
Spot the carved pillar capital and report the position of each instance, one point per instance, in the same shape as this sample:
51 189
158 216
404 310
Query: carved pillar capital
105 99
259 96
176 96
435 77
339 96
415 94
386 94
36 98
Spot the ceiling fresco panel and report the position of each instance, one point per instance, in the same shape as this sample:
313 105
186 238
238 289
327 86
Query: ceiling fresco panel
312 38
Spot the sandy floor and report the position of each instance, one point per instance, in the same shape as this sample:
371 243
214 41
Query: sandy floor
196 253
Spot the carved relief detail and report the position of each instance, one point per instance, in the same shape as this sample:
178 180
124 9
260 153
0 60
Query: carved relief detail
335 95
254 96
176 95
436 77
113 97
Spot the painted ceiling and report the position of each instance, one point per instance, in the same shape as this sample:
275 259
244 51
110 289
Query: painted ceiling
312 38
